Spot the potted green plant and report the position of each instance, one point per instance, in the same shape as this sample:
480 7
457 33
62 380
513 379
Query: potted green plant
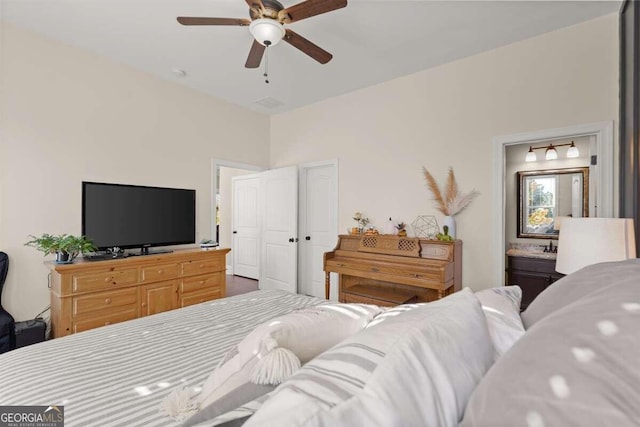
66 247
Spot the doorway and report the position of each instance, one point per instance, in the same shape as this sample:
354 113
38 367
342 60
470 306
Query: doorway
318 219
223 172
600 137
284 219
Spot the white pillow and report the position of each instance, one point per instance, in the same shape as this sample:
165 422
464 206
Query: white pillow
501 307
277 348
415 365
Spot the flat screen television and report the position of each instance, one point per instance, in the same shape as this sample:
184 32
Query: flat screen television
133 216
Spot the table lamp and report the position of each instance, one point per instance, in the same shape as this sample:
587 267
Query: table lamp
586 241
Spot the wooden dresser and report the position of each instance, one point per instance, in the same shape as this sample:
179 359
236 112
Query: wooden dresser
89 294
389 270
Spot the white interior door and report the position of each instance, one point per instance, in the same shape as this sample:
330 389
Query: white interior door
318 224
279 197
246 226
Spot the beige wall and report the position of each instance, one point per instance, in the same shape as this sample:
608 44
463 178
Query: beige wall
447 116
68 116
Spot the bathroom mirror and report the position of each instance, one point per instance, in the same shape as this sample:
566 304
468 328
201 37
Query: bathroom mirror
546 195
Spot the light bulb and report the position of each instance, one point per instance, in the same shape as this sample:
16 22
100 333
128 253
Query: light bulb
531 156
550 153
573 151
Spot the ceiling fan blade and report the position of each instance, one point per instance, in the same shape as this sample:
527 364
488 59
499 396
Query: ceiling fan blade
255 55
314 51
309 8
194 20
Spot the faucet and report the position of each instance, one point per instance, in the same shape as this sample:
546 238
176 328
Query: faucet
550 249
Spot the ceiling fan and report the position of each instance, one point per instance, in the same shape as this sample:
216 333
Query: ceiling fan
266 25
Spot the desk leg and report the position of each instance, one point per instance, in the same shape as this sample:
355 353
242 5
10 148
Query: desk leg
327 285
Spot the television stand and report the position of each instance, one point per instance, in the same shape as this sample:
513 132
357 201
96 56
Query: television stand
147 251
86 295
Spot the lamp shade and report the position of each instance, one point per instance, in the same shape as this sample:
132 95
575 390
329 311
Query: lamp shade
586 241
267 32
573 152
550 153
531 156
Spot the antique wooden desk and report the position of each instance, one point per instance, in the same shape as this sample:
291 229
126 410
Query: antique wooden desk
390 270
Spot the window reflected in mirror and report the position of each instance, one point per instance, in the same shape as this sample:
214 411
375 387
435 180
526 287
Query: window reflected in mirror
547 195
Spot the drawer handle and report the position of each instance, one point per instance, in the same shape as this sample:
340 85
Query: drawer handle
201 265
108 279
340 265
160 271
107 301
374 269
144 304
201 282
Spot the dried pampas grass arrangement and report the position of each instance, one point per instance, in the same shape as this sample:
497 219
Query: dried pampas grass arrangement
452 201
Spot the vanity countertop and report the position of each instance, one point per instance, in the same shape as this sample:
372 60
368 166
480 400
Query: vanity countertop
531 254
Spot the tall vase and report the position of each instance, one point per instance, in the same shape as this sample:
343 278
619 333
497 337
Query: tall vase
450 222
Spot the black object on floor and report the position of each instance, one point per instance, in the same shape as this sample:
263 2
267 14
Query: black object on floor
7 322
30 332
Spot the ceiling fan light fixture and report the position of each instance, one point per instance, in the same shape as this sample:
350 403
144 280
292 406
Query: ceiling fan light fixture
266 31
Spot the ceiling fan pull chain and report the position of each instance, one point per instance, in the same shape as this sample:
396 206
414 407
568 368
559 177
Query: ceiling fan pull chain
266 65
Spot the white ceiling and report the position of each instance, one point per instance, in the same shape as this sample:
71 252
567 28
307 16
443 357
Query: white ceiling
371 41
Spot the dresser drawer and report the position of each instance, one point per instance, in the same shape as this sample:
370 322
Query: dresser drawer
538 265
200 297
159 272
104 300
126 313
104 280
192 268
201 283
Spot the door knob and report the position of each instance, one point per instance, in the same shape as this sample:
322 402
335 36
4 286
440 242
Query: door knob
291 240
307 238
235 232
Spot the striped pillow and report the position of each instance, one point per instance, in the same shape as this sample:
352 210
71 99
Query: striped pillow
276 348
233 418
414 365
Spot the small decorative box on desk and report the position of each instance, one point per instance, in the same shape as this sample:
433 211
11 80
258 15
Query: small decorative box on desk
391 270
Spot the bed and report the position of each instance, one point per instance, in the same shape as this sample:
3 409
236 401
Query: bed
117 375
415 365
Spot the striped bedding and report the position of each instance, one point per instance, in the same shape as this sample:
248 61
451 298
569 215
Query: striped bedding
118 375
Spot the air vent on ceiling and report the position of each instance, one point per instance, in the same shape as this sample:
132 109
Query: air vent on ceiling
269 102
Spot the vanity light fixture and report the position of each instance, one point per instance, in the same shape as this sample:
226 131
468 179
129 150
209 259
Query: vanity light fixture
550 152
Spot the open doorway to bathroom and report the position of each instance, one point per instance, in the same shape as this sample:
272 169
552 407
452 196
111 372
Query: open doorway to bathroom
594 142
